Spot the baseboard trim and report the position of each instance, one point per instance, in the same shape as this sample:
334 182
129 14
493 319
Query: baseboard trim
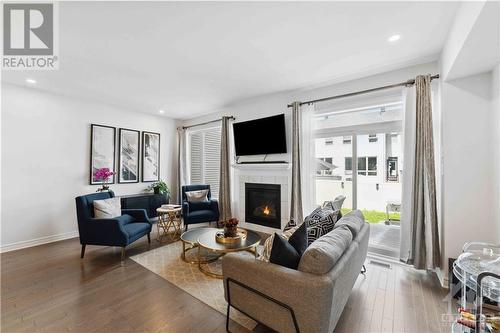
443 279
37 241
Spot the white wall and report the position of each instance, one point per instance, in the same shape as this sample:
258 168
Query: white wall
45 160
496 145
468 151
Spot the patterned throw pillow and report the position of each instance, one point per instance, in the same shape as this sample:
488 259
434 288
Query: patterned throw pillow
290 225
320 223
268 244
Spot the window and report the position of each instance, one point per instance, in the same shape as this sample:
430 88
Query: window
346 140
205 158
325 166
328 142
372 138
348 165
367 166
392 169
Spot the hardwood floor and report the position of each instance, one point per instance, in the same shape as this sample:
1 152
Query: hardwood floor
49 289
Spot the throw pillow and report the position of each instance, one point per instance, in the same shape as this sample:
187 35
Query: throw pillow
268 244
107 208
283 253
324 254
354 220
288 254
197 196
299 239
291 224
318 227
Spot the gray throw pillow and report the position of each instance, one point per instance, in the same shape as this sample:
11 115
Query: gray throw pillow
353 220
107 208
197 196
322 255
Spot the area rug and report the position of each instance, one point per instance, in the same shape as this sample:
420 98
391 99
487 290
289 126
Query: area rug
165 261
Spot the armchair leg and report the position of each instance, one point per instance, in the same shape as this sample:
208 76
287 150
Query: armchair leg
123 253
83 251
149 238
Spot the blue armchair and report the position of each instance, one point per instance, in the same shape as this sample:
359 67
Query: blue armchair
199 212
119 231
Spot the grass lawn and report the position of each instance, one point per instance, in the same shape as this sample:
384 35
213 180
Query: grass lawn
374 216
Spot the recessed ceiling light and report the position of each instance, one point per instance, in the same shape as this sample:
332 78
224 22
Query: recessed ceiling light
31 81
161 111
394 38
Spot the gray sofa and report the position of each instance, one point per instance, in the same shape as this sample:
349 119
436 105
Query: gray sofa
310 299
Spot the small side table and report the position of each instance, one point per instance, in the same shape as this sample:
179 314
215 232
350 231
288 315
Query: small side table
168 218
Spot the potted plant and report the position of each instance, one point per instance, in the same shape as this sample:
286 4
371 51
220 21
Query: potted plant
103 175
159 187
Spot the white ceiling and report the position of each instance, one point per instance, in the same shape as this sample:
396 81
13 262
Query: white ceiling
191 58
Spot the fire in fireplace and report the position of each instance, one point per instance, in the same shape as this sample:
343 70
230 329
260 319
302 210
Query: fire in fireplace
263 204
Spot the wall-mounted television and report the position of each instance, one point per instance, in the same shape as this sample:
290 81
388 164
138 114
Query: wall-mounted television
260 136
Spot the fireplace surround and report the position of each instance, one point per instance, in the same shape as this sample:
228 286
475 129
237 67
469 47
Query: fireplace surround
263 204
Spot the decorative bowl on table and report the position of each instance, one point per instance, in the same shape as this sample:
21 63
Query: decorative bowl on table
231 233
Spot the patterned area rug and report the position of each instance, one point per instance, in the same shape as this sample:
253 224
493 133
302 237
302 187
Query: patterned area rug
166 262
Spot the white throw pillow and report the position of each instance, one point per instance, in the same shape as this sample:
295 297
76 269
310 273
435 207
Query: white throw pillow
197 196
107 208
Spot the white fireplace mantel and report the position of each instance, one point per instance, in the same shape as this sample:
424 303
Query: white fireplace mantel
275 173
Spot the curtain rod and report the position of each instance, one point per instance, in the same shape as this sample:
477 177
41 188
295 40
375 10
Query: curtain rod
408 83
208 122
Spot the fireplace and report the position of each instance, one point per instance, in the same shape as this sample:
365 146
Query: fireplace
263 204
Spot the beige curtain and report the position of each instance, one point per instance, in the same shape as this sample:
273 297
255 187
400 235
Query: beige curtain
181 162
225 171
296 197
425 251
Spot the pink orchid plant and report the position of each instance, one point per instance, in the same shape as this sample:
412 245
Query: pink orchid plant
103 174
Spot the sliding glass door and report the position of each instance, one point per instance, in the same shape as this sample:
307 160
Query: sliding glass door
334 170
359 154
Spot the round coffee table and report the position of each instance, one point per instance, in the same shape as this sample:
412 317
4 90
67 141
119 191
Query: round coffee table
206 241
189 241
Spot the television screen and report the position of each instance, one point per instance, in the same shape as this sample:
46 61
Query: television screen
260 136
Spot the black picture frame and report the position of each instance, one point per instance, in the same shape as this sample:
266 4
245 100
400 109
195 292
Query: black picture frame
93 144
121 173
149 150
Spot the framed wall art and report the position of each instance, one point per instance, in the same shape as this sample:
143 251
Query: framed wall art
102 151
128 155
150 156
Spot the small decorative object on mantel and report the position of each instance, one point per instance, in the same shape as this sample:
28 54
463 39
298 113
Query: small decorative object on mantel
231 233
103 175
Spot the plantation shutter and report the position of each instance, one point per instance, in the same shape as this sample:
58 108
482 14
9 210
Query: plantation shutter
205 158
212 160
196 158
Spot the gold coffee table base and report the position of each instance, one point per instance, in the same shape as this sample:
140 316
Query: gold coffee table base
198 260
204 268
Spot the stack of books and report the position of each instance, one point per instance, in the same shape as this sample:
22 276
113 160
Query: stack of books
170 206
